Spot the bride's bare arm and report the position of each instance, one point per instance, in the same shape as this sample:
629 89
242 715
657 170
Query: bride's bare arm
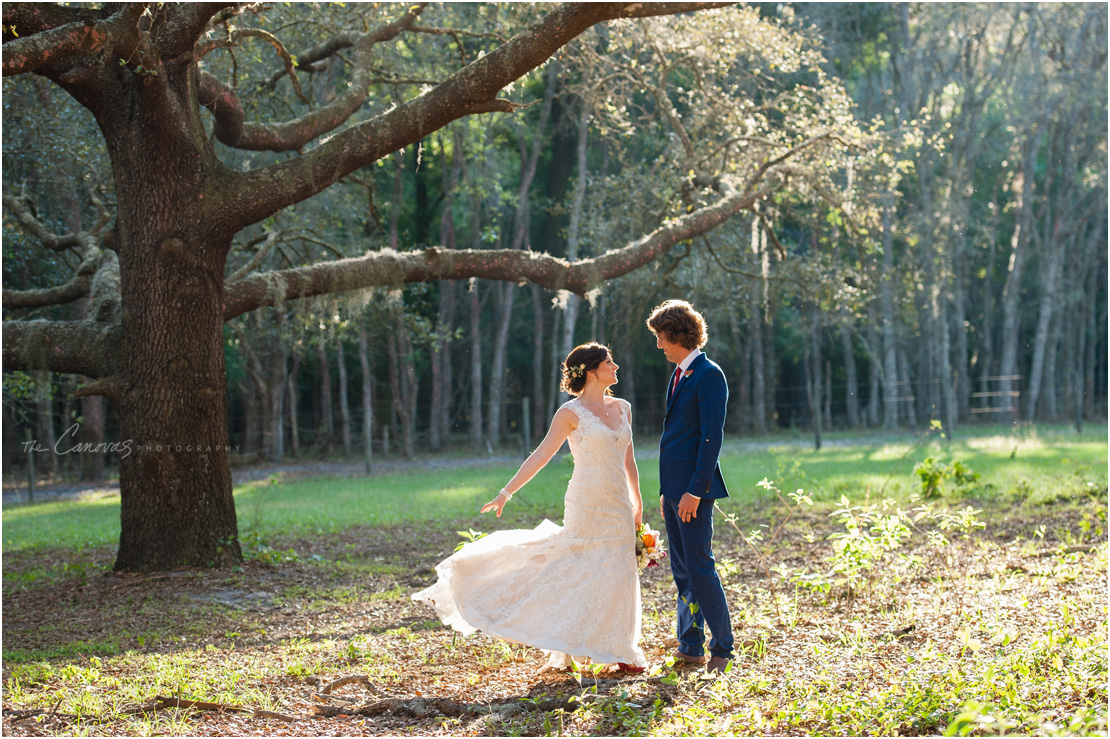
632 472
562 424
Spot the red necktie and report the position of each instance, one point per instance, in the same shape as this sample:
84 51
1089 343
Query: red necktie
677 375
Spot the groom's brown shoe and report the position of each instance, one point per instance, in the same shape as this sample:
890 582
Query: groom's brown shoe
717 666
688 659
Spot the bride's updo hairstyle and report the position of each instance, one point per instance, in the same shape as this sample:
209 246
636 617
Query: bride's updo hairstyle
584 358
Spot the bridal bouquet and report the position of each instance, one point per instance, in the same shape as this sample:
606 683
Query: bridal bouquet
649 550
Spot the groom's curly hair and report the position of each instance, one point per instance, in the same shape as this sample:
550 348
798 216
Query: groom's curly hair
678 322
582 359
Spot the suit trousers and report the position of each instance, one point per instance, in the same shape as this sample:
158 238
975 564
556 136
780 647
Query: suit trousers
701 599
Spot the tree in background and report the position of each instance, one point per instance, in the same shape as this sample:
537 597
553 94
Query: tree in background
201 151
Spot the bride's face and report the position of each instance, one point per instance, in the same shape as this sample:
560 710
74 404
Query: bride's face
607 372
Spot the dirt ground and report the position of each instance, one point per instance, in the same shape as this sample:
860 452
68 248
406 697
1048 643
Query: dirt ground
341 609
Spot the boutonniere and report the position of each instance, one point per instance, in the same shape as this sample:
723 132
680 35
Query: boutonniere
687 373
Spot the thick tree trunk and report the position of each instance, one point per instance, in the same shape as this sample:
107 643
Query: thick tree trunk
367 398
344 402
176 506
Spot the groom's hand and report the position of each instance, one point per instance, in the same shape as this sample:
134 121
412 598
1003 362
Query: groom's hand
688 508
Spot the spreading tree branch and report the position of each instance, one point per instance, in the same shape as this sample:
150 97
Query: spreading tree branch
75 289
232 130
473 89
36 41
388 267
49 239
235 36
78 347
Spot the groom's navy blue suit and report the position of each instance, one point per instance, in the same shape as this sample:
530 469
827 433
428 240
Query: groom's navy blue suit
689 452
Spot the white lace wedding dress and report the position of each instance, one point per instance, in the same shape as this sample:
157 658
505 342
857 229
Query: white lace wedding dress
572 589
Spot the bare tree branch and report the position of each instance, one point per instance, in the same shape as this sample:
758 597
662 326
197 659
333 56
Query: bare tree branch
456 32
268 242
237 35
49 239
77 288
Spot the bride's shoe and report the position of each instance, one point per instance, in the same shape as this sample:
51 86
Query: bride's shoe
626 669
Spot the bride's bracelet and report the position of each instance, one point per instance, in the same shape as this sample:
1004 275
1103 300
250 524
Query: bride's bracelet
508 495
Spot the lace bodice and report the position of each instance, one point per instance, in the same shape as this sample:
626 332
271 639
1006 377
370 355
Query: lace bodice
599 483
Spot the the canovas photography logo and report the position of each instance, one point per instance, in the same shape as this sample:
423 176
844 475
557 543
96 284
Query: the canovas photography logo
67 443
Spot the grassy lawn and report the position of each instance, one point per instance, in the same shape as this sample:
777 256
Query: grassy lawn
1034 466
881 624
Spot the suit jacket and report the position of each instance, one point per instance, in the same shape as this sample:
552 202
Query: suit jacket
693 430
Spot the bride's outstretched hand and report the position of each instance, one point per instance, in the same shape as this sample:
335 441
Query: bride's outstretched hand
498 503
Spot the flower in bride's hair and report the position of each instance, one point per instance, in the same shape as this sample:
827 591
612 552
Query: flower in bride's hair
576 370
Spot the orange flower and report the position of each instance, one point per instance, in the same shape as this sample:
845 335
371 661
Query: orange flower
649 540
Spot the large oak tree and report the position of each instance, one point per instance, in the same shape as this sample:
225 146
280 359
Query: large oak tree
156 274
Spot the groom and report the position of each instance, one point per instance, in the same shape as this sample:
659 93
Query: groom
690 481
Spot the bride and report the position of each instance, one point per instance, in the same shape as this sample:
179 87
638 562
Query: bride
572 589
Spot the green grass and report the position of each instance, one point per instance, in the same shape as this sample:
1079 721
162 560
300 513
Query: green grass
1034 465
